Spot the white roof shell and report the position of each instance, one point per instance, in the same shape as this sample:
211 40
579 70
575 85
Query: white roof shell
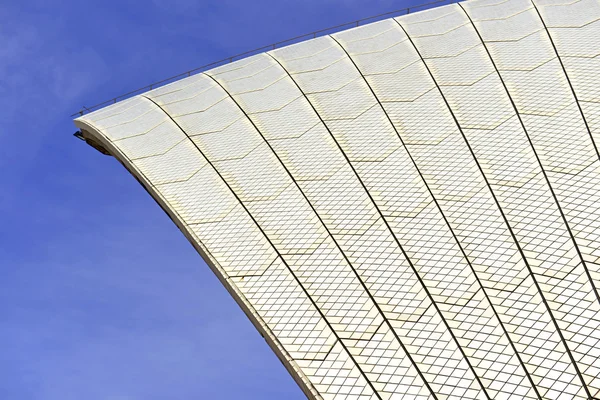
408 209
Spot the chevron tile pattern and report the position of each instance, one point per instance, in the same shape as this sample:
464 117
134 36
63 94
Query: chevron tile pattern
409 209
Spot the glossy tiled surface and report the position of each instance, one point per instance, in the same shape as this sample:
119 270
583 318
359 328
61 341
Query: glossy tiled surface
408 209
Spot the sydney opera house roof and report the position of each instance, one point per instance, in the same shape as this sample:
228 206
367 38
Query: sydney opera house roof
407 209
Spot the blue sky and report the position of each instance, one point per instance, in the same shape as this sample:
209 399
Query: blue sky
101 297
